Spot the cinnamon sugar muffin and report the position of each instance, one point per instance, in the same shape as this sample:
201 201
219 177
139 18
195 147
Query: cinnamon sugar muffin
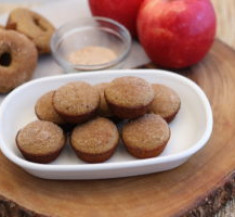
40 141
129 97
95 141
45 110
76 102
103 107
146 136
166 102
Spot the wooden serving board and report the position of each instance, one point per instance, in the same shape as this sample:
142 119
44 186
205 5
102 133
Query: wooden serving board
200 187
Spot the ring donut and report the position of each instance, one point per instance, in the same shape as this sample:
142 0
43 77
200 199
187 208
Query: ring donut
34 26
18 59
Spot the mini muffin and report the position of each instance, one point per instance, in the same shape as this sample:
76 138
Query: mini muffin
76 102
95 141
103 107
45 110
129 97
146 136
40 141
166 102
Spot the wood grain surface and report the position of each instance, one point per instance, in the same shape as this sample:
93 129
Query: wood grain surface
226 21
198 188
225 11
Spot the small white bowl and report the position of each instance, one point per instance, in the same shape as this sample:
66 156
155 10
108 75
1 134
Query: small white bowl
190 130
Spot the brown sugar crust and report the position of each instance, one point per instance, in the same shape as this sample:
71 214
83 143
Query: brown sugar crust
40 141
44 109
76 102
166 102
95 141
129 97
34 26
18 59
146 136
103 107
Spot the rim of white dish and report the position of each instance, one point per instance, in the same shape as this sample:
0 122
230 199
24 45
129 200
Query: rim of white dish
111 165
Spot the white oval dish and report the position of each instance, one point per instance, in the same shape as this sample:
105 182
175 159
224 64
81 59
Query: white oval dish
190 130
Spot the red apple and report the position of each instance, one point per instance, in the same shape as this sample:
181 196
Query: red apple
123 11
176 33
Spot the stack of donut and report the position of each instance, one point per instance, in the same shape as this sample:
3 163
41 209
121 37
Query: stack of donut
25 36
142 110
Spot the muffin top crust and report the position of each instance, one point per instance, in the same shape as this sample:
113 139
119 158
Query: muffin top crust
76 98
129 91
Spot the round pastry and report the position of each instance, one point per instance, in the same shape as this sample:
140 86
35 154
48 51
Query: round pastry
129 97
95 141
34 26
166 102
103 107
146 136
40 141
18 59
76 102
44 109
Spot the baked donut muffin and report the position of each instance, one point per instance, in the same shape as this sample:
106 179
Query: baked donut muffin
129 97
166 102
44 109
34 26
103 107
40 141
146 136
18 59
76 102
96 140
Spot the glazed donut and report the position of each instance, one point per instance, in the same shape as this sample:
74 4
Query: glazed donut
18 59
34 26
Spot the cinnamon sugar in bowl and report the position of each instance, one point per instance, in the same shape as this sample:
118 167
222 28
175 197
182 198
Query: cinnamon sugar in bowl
89 44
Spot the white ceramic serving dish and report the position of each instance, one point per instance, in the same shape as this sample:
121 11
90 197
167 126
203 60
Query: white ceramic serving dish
190 130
